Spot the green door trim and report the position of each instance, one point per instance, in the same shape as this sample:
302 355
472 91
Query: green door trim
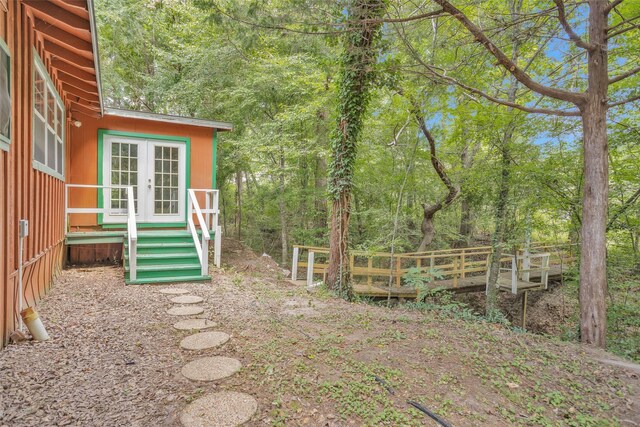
180 139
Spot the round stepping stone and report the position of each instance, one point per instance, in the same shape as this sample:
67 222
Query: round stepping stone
194 324
224 409
187 299
204 340
188 310
211 368
173 291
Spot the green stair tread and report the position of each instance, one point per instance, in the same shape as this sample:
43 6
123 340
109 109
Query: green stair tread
161 267
168 279
165 256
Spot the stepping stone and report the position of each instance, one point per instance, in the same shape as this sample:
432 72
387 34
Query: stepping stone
223 409
194 324
211 368
185 311
204 340
187 299
173 291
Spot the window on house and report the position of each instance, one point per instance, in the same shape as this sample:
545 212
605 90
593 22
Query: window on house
5 96
48 124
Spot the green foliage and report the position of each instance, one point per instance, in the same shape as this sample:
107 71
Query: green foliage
287 96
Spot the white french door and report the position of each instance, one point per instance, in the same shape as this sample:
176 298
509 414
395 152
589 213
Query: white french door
156 171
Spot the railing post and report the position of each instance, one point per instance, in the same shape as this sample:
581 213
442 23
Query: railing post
218 246
514 274
66 209
455 274
310 268
294 263
398 271
369 268
133 260
462 262
205 256
351 265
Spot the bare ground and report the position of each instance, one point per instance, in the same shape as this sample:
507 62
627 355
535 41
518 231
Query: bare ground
309 359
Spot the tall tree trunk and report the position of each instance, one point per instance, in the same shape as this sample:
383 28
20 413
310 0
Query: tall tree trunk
356 75
284 233
593 255
239 204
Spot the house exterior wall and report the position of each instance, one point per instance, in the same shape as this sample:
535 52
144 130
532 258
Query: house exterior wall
25 193
83 160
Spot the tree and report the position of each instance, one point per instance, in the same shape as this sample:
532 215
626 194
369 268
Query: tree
591 105
356 76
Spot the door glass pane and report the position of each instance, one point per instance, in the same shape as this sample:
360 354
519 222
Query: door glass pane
166 193
124 171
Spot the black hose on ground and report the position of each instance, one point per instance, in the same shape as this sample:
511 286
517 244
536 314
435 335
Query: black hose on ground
436 418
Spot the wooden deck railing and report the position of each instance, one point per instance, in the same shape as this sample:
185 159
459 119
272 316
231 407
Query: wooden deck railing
448 265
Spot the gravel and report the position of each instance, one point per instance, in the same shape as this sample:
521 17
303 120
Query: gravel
113 358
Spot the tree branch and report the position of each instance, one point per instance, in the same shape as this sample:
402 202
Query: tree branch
562 17
622 31
626 101
548 111
624 75
576 98
626 205
613 5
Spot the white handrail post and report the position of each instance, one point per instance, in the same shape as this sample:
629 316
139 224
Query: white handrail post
205 256
294 263
132 234
66 209
310 268
218 246
514 274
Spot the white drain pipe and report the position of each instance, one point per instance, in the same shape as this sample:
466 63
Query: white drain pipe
23 231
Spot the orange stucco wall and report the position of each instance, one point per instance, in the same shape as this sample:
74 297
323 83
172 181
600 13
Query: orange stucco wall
83 159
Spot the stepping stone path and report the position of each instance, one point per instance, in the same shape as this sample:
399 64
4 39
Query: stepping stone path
194 324
211 368
173 291
187 299
226 408
185 311
204 340
221 409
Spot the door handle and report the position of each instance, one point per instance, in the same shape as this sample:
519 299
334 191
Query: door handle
149 184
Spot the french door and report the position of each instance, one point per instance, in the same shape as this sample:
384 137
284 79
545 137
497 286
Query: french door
156 171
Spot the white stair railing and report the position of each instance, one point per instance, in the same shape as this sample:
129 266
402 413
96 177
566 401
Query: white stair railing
132 232
208 225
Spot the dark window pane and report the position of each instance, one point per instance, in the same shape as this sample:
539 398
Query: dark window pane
51 149
59 156
39 140
5 95
51 109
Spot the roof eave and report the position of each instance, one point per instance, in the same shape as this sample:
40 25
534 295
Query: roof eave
96 56
165 118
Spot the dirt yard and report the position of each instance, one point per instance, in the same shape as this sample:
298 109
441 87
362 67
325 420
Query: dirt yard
308 358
